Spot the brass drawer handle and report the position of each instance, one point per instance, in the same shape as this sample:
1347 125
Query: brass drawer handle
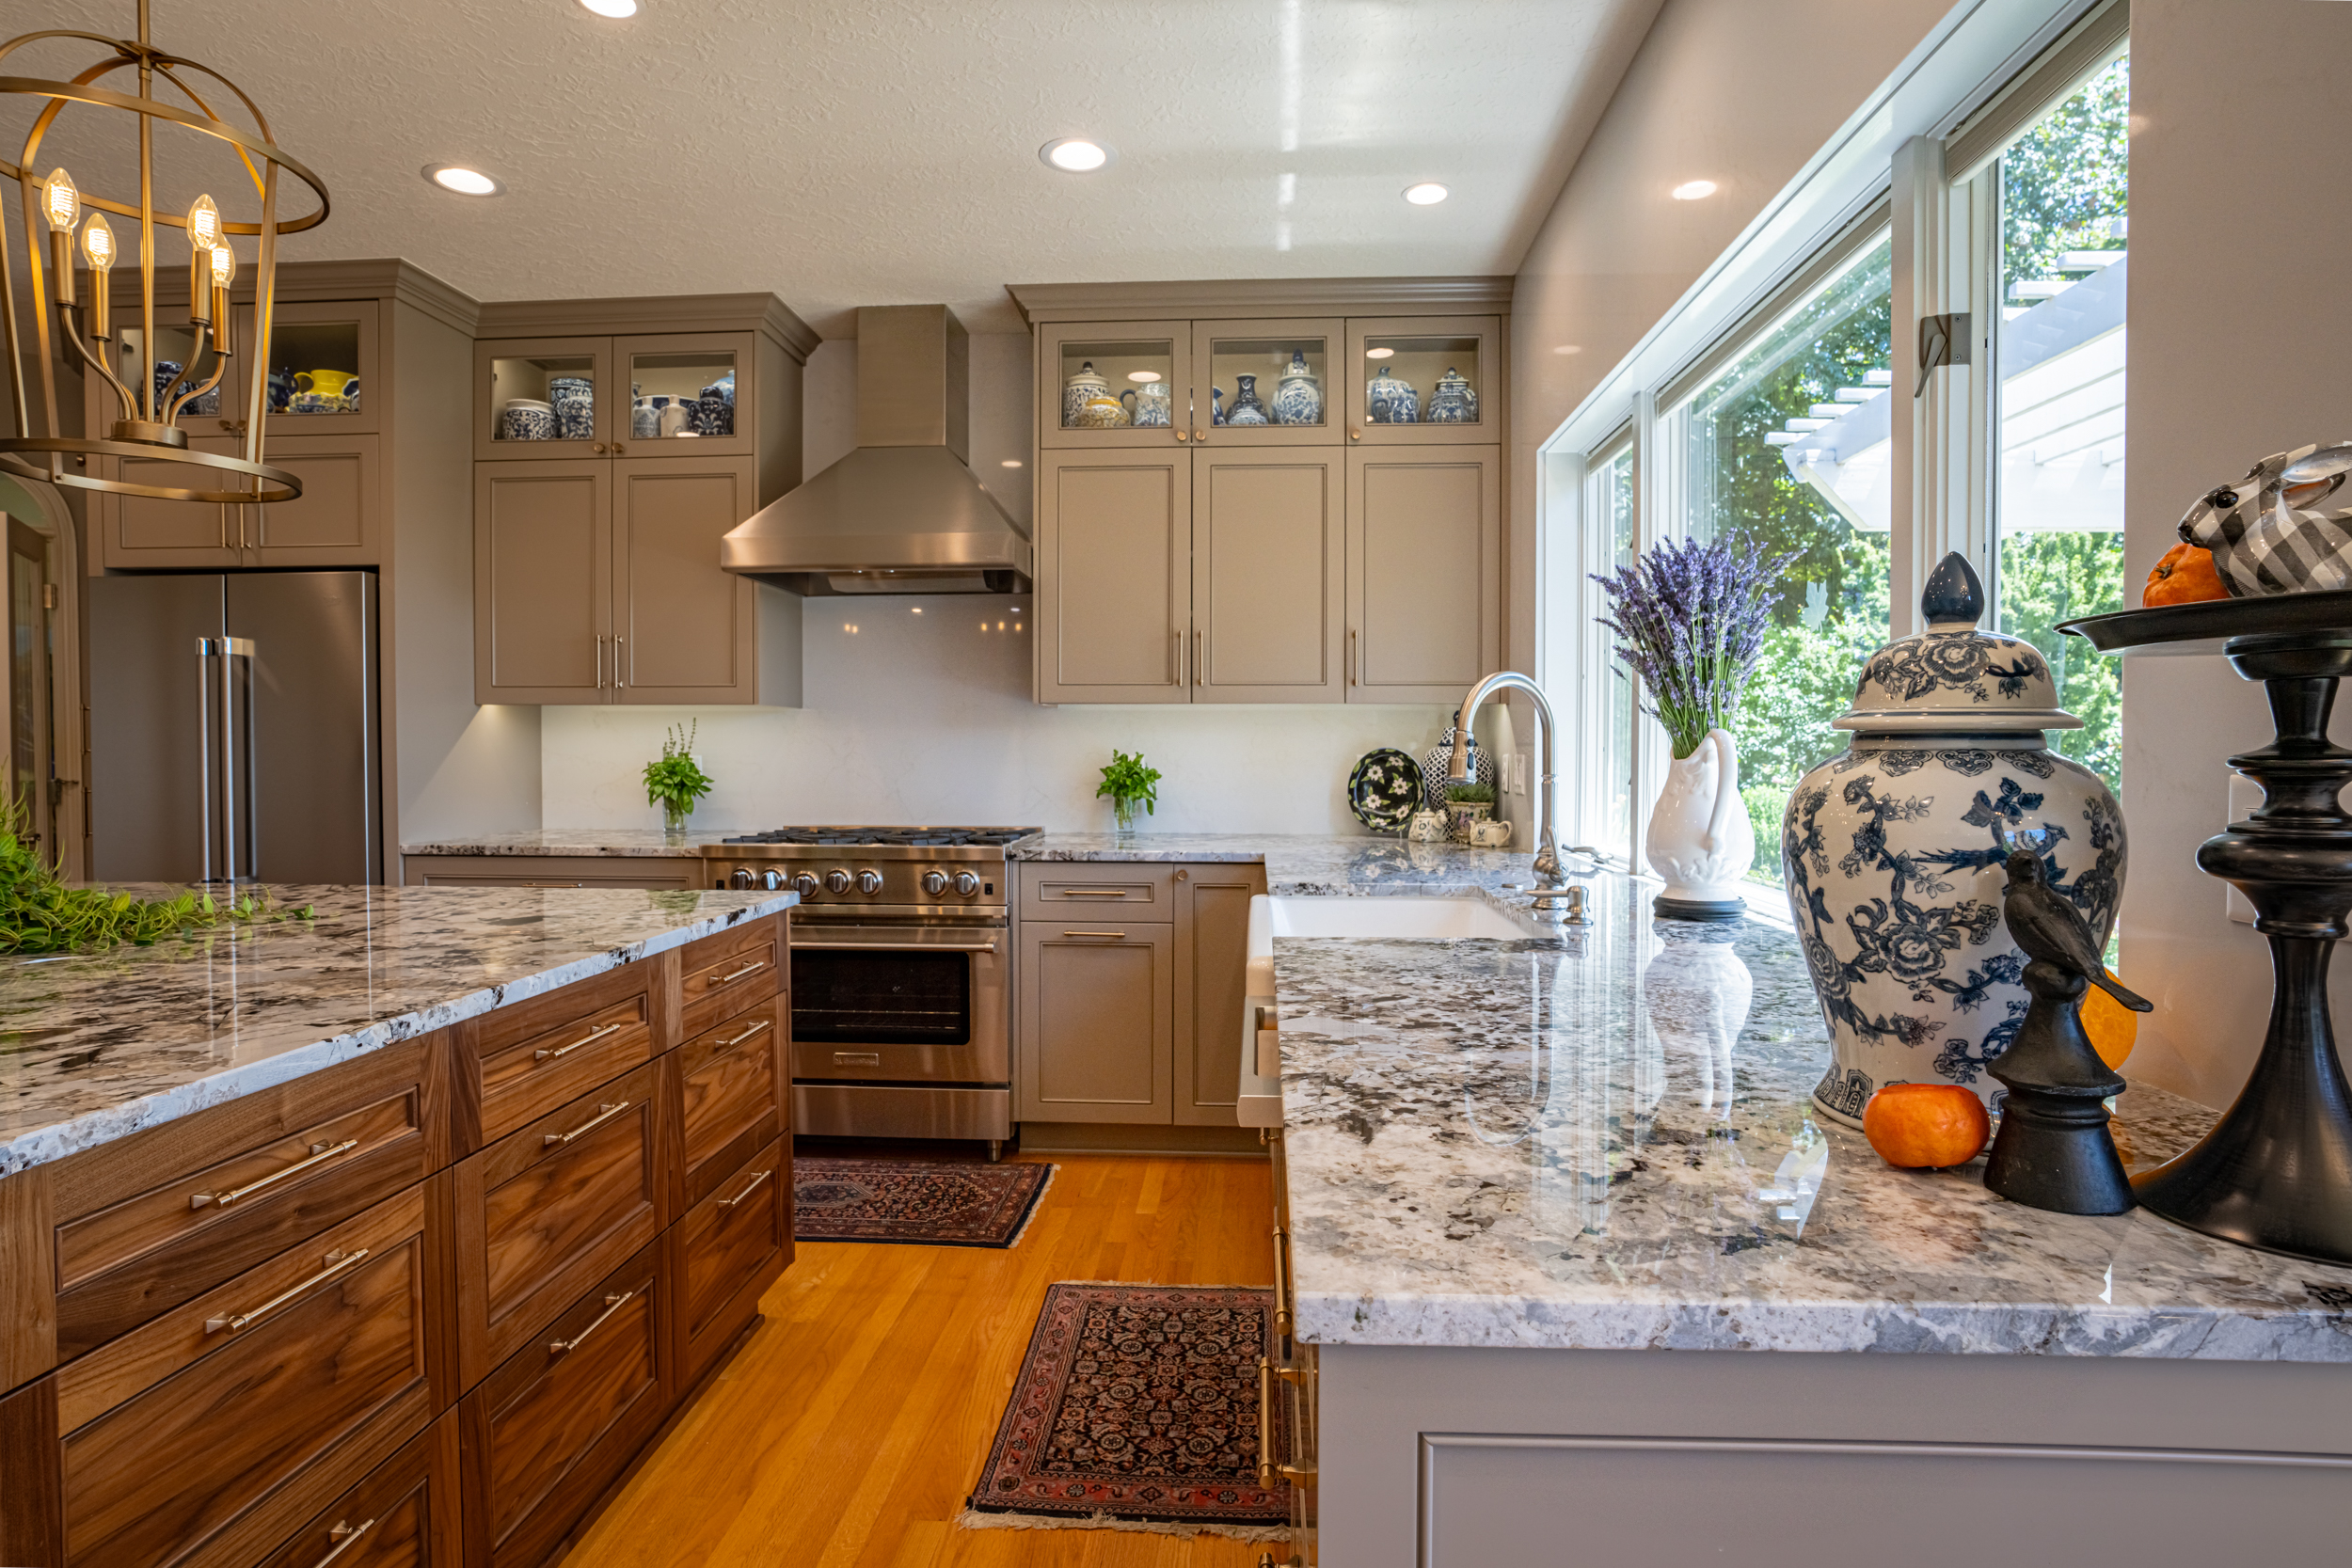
1281 1283
337 1263
1266 1422
729 1045
611 1305
1094 893
1109 936
591 1037
320 1154
752 968
749 1188
604 1114
343 1535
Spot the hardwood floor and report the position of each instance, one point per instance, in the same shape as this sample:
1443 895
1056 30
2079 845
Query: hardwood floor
850 1427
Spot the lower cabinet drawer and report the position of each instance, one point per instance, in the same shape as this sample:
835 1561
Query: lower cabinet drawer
548 1211
547 1432
723 973
730 1093
209 1436
404 1516
727 1252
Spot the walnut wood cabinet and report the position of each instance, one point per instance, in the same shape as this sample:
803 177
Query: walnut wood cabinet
419 1310
1355 558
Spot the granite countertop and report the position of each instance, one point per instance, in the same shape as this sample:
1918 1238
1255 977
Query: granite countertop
1318 865
1601 1141
96 1047
623 843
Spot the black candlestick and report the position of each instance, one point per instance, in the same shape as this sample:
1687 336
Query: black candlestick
2054 1150
2275 1171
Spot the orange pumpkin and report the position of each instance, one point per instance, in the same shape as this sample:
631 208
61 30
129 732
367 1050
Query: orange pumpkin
2185 575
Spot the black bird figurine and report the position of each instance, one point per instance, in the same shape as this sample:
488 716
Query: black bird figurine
2054 1150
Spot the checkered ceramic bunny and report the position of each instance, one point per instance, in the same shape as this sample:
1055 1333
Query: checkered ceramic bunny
2264 536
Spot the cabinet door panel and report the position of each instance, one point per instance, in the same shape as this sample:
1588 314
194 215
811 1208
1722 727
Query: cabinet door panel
729 1249
1423 564
140 533
309 335
730 1091
1117 351
543 580
1097 1021
404 1516
686 628
1211 990
334 521
1266 577
1114 577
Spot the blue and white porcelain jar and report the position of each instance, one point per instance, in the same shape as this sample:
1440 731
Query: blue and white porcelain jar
573 399
1077 392
1391 399
1298 396
1245 409
1453 400
1893 852
1440 757
714 411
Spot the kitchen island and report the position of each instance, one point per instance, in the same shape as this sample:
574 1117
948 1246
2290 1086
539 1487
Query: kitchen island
314 1224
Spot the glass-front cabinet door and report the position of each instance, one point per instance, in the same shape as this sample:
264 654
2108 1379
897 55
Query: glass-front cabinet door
1117 384
686 387
320 368
1424 380
545 397
213 412
1265 383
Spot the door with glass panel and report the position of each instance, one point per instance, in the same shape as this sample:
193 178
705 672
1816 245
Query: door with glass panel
28 735
1117 384
1413 381
1265 382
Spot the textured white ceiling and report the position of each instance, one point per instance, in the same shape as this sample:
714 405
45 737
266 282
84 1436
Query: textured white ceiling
885 151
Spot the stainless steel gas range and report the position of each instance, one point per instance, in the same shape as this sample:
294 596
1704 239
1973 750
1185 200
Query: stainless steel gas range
901 975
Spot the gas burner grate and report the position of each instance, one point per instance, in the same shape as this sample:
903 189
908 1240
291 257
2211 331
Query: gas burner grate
905 837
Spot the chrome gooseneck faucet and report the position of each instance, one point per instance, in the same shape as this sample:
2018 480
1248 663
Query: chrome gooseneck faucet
1553 892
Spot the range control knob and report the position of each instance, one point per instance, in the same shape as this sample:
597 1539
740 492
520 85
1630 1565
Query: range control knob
805 884
837 881
934 882
967 883
742 878
869 882
771 879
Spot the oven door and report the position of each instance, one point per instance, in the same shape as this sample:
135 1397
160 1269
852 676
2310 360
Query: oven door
901 1004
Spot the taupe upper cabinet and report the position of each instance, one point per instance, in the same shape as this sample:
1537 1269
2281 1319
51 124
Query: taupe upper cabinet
1424 572
1426 381
1114 577
1128 360
543 581
1267 576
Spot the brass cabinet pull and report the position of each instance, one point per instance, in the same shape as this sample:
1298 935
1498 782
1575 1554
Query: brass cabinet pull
1355 432
749 1187
1281 1283
1182 434
1094 893
591 1037
343 1535
598 448
1266 1422
620 662
320 1154
611 1305
729 1045
1112 936
601 661
1199 659
616 449
1351 655
1199 437
604 1114
1183 668
336 1263
752 968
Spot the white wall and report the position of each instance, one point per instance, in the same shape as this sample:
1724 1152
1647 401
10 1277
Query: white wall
2238 351
927 717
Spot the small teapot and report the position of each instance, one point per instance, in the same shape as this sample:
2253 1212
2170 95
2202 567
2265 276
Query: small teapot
1492 833
1428 826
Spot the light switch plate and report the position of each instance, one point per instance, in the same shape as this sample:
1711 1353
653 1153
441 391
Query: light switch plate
2245 798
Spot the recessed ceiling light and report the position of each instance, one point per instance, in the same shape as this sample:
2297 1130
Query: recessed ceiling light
464 180
1010 462
1076 155
1379 353
1143 376
611 7
1427 193
1693 190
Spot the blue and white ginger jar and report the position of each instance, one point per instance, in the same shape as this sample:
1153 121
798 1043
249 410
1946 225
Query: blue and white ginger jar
1391 399
1453 400
1245 409
1440 757
1893 852
1298 396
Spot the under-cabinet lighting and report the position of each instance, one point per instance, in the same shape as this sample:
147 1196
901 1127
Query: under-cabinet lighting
464 180
1378 352
1693 190
1076 155
615 8
917 608
1009 463
1427 193
1568 348
1143 376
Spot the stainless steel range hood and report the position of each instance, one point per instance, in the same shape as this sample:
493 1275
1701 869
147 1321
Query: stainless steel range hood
902 513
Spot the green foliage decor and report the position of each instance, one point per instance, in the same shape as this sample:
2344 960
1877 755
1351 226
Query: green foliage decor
1474 794
675 780
1127 782
40 914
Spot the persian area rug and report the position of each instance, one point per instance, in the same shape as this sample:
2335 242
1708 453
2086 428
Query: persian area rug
1137 1408
914 1202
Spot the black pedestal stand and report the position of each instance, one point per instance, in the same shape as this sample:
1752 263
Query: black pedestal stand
2053 1150
1698 909
2275 1171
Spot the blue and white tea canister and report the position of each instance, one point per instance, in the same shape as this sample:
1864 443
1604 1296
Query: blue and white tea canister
1893 852
1077 392
1453 401
1245 409
573 399
644 420
1390 398
1298 396
714 411
526 419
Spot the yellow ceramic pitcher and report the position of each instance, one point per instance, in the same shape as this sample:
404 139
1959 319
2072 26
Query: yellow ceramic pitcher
329 384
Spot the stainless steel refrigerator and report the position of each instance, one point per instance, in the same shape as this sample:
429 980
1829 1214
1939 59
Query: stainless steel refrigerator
234 728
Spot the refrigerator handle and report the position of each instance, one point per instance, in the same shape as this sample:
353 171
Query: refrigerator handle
240 855
206 731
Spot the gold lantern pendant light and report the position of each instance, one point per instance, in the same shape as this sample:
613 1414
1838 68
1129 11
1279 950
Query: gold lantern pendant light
148 427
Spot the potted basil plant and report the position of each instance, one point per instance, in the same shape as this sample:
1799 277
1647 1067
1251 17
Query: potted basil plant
675 780
1129 783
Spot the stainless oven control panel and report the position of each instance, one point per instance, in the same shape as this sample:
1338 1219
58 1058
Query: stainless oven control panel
858 882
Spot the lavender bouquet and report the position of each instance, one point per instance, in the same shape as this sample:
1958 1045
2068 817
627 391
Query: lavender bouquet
1690 620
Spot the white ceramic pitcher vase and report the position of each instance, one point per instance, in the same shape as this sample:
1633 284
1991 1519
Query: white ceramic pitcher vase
1700 839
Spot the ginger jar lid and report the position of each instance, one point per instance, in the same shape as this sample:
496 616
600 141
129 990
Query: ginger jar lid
1953 678
1085 380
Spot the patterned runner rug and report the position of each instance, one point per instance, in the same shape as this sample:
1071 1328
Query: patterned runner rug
1136 1407
917 1202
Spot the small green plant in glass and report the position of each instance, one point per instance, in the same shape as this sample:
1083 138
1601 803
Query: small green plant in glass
1129 782
675 780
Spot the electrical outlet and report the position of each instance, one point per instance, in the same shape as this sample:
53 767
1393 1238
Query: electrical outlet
2245 798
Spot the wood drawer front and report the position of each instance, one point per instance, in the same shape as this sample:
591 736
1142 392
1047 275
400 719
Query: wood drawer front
119 1267
731 1088
1062 891
211 1433
531 1058
548 1211
731 1247
549 1429
404 1516
723 974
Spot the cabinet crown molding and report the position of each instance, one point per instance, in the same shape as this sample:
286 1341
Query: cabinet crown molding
368 277
763 313
1224 299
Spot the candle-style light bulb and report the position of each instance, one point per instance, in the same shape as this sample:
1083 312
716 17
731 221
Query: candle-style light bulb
60 201
203 223
98 244
224 266
203 236
224 274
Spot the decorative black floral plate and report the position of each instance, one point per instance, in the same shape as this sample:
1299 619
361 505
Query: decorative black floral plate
1384 791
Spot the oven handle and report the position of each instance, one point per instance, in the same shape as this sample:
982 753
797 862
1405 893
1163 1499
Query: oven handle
799 946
